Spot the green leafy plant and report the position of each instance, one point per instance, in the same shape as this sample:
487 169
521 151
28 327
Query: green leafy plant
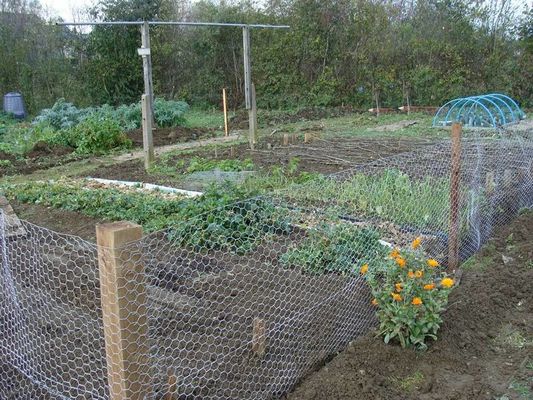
410 293
334 248
219 219
203 164
95 135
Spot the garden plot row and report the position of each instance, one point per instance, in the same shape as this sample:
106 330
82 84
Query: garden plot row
201 310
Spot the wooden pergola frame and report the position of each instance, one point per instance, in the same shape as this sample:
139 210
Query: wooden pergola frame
147 100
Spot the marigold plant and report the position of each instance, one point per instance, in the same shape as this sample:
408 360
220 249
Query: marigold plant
410 292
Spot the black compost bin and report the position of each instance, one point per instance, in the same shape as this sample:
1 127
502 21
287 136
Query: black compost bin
14 104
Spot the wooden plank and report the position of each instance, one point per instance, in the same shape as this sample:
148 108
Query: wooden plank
148 139
455 178
123 298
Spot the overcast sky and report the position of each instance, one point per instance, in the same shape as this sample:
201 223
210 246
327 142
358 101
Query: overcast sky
69 9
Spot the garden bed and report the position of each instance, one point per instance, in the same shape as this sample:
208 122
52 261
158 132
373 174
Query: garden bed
484 348
319 156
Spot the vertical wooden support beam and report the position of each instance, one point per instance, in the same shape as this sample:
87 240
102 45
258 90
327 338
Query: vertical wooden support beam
225 107
123 298
455 178
147 100
148 140
247 67
145 52
248 89
253 119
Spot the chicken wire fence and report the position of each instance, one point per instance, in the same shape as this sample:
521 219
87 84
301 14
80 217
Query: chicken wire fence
241 302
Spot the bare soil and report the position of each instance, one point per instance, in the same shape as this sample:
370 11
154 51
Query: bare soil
44 156
165 136
485 346
316 156
240 120
69 222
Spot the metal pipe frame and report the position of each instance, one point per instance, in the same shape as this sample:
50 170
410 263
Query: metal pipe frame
178 23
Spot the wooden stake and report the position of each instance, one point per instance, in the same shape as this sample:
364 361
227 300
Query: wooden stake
455 177
259 337
172 383
123 298
490 183
285 139
252 118
225 106
148 139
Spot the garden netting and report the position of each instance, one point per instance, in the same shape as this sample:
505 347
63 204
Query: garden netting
241 302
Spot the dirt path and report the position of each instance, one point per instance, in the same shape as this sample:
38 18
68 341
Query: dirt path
85 166
179 146
485 347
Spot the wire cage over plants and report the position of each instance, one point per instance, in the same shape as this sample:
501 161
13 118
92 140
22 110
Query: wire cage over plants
489 110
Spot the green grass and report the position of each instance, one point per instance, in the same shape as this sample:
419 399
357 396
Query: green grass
196 118
391 196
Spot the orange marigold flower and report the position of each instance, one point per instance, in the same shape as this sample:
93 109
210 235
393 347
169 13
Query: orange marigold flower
374 302
398 286
432 263
396 297
411 274
429 286
416 301
400 261
416 243
447 283
394 253
419 274
364 269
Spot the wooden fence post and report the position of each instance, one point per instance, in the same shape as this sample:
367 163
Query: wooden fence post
225 106
123 298
455 178
253 118
148 139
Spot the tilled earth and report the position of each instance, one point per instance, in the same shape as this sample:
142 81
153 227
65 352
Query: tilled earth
485 346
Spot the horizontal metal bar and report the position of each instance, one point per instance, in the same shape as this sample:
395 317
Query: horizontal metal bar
180 23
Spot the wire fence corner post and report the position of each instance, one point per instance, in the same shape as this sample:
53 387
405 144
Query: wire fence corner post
123 299
455 178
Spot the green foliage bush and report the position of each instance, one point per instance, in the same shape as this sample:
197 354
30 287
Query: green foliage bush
169 113
62 115
94 135
335 248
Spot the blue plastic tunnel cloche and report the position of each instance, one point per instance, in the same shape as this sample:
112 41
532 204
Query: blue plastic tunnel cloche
14 104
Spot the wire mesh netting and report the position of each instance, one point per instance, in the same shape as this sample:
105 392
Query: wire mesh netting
241 302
